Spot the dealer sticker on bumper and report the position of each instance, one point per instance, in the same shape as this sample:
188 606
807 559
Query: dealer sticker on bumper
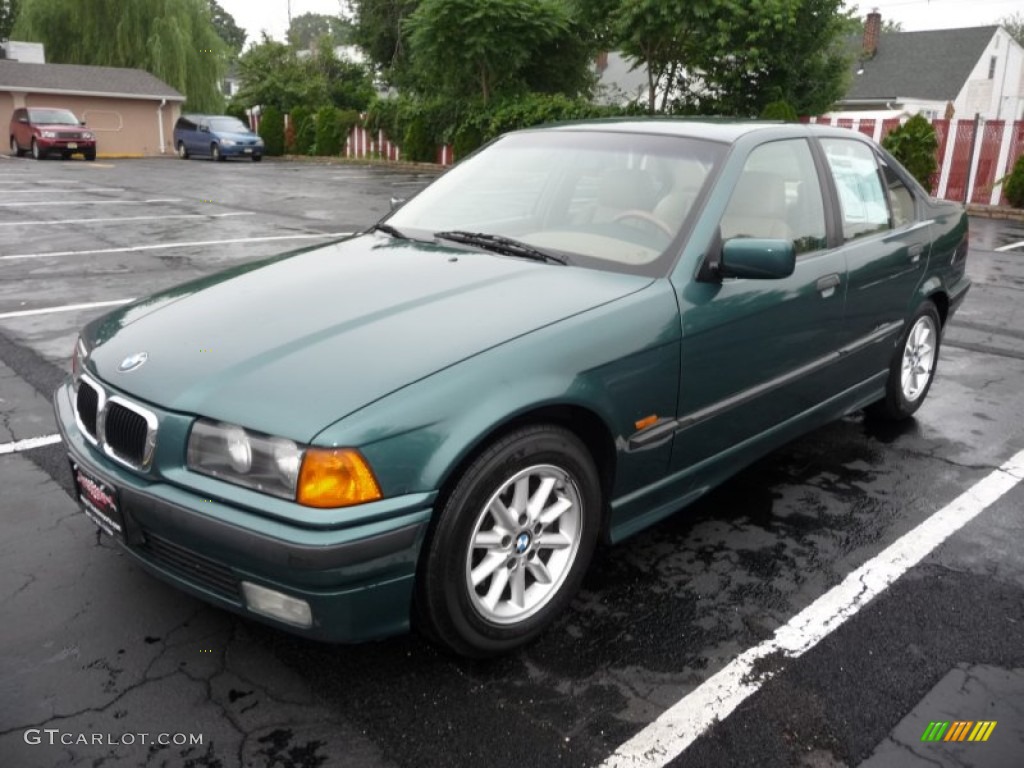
98 501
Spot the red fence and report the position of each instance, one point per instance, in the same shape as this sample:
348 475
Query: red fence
973 158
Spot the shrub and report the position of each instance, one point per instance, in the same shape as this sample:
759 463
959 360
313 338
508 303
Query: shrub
305 131
1014 185
779 110
237 110
914 144
272 130
329 138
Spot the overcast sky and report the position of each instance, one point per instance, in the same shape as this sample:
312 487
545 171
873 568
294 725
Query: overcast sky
272 15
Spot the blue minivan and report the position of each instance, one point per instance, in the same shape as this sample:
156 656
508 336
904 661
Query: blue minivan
217 137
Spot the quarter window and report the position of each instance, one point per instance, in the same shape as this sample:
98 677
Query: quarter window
900 198
778 196
859 184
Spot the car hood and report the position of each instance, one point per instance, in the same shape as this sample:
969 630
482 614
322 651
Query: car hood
290 345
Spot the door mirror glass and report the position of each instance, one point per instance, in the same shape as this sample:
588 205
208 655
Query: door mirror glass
758 258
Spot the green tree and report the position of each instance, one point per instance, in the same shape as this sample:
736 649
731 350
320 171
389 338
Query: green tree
173 39
379 29
8 15
914 144
484 46
227 29
272 130
273 73
306 30
1014 24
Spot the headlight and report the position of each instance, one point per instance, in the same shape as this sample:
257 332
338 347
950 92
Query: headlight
88 135
49 134
227 142
315 477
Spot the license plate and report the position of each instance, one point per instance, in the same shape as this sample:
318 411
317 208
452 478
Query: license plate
72 145
248 150
98 500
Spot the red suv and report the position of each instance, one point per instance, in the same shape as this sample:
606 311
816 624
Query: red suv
42 130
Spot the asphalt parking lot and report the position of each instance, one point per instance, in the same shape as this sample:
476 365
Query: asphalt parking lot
651 666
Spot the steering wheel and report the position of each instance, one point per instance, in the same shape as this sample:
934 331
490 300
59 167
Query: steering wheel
636 213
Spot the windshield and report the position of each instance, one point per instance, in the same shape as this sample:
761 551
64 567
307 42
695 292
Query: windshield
52 117
228 125
608 200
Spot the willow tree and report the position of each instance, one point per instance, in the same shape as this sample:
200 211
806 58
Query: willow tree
173 39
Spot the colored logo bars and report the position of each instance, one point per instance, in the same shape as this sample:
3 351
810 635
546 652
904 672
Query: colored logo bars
958 730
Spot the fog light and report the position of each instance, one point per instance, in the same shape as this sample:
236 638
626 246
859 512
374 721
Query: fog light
277 605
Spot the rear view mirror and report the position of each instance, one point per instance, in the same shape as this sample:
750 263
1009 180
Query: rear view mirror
23 120
757 258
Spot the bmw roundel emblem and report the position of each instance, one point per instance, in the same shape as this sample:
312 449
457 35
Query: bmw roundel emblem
522 543
132 362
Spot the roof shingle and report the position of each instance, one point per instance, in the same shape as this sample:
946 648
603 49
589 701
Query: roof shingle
79 78
932 64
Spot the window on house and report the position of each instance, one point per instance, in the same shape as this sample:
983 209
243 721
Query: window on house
992 67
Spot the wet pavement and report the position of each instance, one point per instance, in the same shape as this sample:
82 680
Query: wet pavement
93 647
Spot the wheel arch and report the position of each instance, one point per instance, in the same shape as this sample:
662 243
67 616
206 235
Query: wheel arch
582 422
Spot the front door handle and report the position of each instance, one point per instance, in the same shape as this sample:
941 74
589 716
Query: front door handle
915 252
827 285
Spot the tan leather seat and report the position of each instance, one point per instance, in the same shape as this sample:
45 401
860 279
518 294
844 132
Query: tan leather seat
757 208
623 189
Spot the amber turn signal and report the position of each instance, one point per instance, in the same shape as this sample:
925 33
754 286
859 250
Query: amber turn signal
335 477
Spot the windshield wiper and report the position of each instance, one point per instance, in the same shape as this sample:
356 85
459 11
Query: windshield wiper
387 229
499 244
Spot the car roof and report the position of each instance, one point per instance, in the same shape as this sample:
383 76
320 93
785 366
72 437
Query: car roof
726 130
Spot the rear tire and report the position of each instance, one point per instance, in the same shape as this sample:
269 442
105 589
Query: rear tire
512 543
912 369
16 149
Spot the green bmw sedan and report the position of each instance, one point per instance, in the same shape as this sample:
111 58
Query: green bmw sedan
572 334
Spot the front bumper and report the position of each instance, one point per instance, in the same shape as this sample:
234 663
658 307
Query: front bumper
241 150
62 145
357 581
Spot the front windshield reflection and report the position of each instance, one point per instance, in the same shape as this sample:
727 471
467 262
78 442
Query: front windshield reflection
608 200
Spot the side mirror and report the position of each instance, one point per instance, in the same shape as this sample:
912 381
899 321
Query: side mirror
397 202
757 258
81 122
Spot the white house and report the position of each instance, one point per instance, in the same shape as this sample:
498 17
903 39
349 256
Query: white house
942 73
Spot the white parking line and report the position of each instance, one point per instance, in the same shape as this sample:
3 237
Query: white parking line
76 189
680 725
1011 246
45 223
29 444
64 308
161 246
23 203
28 177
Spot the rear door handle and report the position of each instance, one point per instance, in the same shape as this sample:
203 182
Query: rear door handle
915 252
827 285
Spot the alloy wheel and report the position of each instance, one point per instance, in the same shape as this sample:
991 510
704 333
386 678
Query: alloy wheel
918 358
523 544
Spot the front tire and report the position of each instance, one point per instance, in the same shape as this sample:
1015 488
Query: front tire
182 151
257 158
512 543
37 153
913 366
215 153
